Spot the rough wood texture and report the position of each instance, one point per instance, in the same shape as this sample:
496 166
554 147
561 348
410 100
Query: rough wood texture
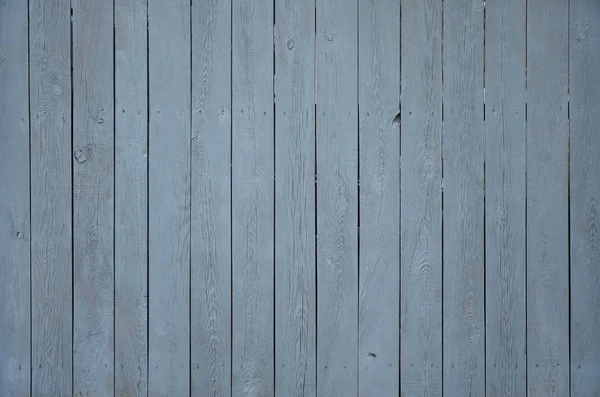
505 199
93 198
379 278
253 195
169 197
585 196
463 217
211 198
131 199
421 201
547 199
337 197
295 288
15 234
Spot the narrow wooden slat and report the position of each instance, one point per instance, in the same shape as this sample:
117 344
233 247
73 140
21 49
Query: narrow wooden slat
337 200
211 198
169 197
505 198
463 219
379 135
295 288
51 198
131 205
421 201
584 44
253 195
15 234
547 199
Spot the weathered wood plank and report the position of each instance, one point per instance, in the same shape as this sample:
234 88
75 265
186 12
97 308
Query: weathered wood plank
253 195
93 198
337 197
15 236
131 198
547 199
51 198
379 136
505 27
421 201
169 197
463 218
211 198
295 261
585 195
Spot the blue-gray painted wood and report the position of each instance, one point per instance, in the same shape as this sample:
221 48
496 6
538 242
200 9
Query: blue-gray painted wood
547 199
295 261
51 198
15 236
505 199
131 198
463 200
253 199
584 44
379 136
211 199
169 197
93 198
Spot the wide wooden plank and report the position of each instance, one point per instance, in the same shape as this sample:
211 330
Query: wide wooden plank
463 192
337 197
15 234
505 198
169 197
211 198
131 198
93 198
295 261
379 137
253 195
51 198
547 199
421 201
584 44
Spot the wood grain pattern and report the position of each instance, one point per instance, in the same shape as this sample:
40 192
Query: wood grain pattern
547 199
51 198
211 198
337 197
505 27
253 195
421 201
15 236
463 218
295 261
379 136
131 198
584 44
169 197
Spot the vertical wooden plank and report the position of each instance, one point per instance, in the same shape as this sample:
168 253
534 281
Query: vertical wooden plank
15 218
584 40
463 218
51 198
131 198
169 197
253 195
295 288
379 136
93 198
337 197
505 198
421 201
547 199
211 198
